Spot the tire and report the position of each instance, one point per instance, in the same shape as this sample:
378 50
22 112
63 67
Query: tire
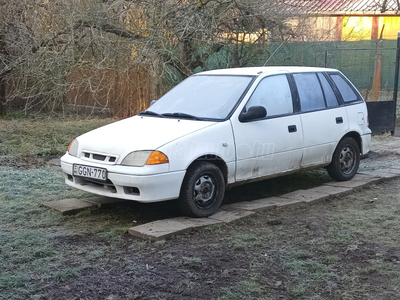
202 190
345 160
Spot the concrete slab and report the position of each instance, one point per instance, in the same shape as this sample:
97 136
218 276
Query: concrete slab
353 184
68 206
158 229
307 196
365 177
165 228
227 216
287 202
256 205
103 201
371 173
162 229
331 190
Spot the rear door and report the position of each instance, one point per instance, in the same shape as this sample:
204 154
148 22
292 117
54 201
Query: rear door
324 121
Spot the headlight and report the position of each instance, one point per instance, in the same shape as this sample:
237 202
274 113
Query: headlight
141 158
73 148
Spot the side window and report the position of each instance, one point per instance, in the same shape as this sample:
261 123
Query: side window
344 88
274 94
330 96
310 92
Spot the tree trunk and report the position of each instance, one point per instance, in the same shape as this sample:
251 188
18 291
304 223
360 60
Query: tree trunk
2 83
185 51
2 97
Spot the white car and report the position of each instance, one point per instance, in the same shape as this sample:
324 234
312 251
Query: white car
221 128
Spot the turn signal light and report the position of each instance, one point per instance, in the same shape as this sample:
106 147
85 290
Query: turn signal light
156 158
70 144
73 148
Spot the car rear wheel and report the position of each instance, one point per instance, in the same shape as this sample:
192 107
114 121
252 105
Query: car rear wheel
202 190
345 160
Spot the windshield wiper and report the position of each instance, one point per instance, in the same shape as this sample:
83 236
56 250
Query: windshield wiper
181 115
150 113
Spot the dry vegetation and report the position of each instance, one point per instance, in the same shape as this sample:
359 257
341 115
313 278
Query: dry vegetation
121 54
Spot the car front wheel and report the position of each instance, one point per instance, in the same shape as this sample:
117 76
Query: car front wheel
345 160
202 190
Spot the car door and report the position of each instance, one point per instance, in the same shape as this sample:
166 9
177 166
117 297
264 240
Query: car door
324 122
273 144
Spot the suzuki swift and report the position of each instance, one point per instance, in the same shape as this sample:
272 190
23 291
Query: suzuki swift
221 128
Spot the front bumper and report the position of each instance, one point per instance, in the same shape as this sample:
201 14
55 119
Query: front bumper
126 185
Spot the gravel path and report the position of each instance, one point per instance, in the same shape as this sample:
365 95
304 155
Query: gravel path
384 153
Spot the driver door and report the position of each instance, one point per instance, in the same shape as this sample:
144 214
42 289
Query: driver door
273 144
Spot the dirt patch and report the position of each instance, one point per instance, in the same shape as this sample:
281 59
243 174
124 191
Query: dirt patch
343 248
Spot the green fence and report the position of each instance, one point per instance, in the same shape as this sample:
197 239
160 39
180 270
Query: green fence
357 60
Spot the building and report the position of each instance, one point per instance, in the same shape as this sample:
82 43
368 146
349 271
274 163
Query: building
340 20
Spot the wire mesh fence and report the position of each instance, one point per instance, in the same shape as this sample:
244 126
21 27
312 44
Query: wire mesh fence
363 62
370 65
371 70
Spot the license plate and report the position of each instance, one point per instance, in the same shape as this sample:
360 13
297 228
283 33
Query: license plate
90 172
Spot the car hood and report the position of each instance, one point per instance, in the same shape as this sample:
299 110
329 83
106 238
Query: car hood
137 133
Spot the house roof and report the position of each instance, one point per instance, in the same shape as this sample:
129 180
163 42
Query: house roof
341 7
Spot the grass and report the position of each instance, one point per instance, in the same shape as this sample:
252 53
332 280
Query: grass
27 230
345 248
242 241
246 289
42 136
192 262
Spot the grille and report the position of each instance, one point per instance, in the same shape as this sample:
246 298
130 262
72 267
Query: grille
100 157
101 185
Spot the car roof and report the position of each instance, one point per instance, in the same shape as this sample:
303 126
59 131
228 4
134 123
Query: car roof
265 70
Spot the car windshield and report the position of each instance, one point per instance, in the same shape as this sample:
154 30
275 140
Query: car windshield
201 97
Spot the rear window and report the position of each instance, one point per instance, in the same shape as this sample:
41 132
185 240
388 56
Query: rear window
330 96
344 88
310 92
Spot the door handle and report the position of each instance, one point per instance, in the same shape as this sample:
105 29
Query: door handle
339 120
292 128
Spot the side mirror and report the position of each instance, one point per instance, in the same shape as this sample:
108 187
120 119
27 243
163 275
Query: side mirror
253 113
152 102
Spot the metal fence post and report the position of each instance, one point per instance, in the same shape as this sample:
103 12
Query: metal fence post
396 81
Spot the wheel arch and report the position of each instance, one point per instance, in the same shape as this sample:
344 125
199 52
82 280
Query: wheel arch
355 136
216 160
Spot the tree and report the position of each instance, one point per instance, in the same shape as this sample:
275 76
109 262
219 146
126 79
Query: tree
45 43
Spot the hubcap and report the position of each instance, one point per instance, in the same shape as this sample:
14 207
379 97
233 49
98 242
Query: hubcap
347 160
204 191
